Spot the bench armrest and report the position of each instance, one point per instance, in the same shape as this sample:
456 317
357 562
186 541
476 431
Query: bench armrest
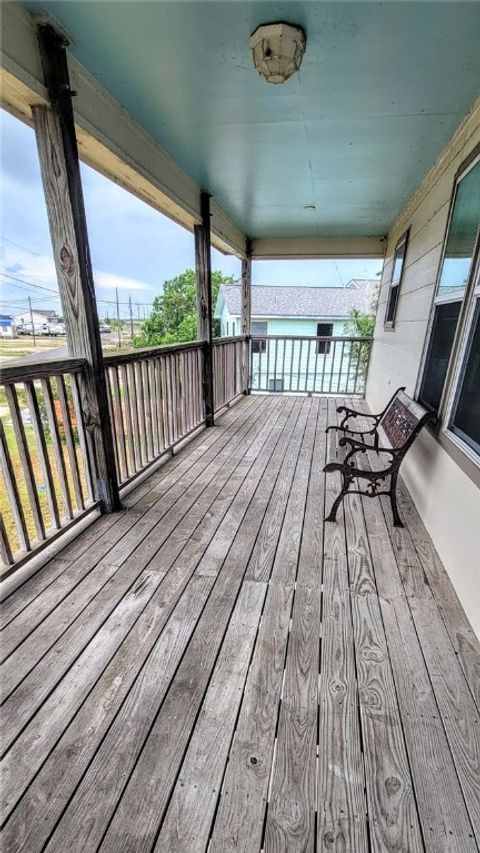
360 447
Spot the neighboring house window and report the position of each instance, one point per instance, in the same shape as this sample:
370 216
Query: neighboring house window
456 294
259 329
275 384
396 280
324 330
233 328
227 329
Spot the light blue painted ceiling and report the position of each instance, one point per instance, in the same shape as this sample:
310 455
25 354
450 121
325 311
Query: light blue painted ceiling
381 89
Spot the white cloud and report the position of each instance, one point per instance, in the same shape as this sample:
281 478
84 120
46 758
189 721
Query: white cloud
40 270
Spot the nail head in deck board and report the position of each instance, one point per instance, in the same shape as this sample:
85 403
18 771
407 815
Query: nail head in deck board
290 822
240 817
127 735
439 797
37 685
198 786
114 676
341 800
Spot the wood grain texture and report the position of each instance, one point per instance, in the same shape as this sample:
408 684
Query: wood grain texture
200 650
342 809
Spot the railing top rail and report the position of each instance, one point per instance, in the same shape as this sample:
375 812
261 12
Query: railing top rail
309 338
148 352
229 340
26 371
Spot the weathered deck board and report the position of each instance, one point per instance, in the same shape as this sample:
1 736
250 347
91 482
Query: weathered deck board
162 673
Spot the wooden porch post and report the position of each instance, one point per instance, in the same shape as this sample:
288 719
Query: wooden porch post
204 303
58 154
247 311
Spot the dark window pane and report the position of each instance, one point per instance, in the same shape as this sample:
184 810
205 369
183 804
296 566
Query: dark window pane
259 329
324 330
438 355
462 234
466 420
392 304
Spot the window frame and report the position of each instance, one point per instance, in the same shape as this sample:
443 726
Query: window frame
401 242
325 344
259 343
463 332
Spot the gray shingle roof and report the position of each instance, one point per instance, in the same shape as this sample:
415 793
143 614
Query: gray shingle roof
291 301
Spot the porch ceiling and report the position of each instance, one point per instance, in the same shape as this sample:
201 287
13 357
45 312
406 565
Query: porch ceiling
381 90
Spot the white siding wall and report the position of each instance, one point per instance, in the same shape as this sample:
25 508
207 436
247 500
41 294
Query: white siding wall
445 496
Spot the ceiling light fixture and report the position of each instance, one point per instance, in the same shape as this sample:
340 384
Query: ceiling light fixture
277 50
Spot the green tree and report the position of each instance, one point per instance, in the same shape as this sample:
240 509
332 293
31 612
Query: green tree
174 318
361 324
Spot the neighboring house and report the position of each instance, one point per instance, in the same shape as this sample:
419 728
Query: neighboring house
24 320
298 312
7 326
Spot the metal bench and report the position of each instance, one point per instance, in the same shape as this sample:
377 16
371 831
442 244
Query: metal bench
393 432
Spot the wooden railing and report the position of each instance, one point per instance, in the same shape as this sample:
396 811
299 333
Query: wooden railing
230 368
45 457
156 400
319 365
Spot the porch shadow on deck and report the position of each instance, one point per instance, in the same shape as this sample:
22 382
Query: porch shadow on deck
213 668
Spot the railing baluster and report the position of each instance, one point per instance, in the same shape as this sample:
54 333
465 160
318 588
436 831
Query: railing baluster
57 448
315 368
341 369
5 550
134 416
25 458
350 354
42 450
292 351
309 348
13 493
82 439
300 350
119 427
332 367
69 439
127 410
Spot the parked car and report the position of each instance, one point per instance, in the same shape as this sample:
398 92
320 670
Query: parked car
104 329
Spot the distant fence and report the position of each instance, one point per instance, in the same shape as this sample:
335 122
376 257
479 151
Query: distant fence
318 365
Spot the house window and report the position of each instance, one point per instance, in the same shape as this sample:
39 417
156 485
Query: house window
227 329
275 384
324 330
453 289
465 419
396 280
233 328
259 329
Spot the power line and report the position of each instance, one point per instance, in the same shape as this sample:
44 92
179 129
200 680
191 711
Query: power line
28 283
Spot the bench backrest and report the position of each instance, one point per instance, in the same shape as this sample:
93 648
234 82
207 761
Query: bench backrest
402 421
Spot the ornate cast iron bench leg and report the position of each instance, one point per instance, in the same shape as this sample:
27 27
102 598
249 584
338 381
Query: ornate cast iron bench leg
332 516
397 521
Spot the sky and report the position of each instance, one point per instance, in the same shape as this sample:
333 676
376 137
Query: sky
134 247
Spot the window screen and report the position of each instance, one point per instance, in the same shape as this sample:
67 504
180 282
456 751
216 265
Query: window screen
324 330
466 416
438 354
462 234
453 277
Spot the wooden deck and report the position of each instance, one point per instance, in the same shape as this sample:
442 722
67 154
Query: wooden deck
213 669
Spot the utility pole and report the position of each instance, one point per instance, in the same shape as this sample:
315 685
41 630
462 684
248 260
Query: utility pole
131 316
31 320
119 332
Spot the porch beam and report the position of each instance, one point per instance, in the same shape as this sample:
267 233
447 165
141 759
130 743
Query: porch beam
203 266
60 168
247 310
318 247
108 138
